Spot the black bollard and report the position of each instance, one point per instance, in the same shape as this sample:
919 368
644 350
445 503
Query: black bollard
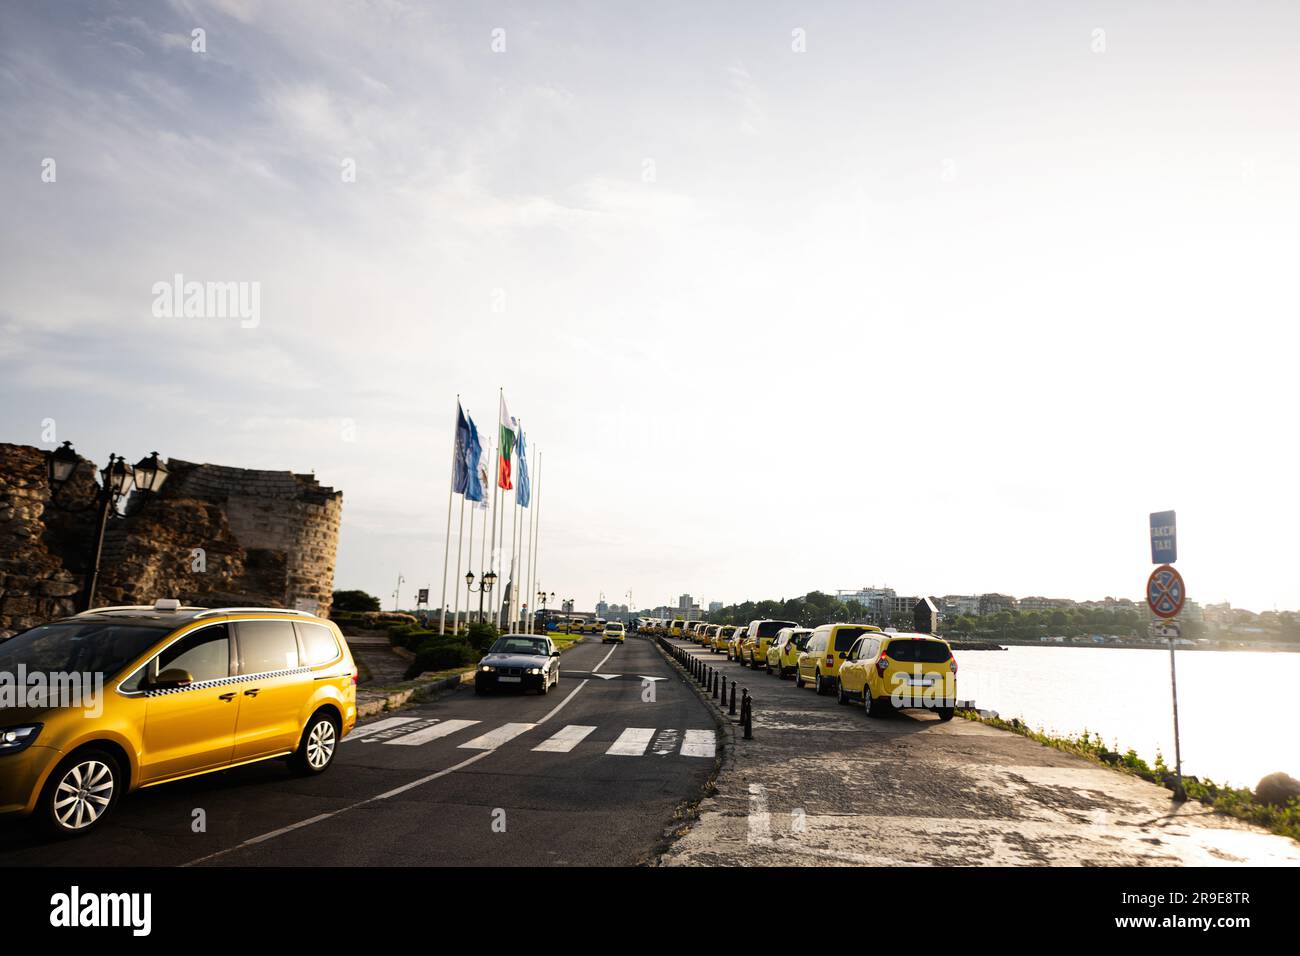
733 699
747 714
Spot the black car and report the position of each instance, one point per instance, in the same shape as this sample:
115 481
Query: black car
525 661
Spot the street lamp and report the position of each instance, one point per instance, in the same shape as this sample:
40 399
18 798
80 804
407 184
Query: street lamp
116 479
485 587
541 599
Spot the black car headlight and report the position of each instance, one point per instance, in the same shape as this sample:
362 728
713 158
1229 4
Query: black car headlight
14 739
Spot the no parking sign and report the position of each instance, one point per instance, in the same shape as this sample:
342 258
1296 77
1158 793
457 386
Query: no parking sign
1165 592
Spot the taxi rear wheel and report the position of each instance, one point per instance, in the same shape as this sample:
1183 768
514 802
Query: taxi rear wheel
841 695
945 713
798 678
319 744
819 685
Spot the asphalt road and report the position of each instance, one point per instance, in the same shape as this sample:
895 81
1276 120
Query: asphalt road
455 781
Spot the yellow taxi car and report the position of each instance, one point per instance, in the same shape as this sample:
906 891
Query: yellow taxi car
824 652
180 691
675 628
783 652
754 650
721 637
737 641
614 633
701 636
890 672
576 625
594 626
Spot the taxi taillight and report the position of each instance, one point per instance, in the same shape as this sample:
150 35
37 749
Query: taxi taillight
952 664
882 665
354 678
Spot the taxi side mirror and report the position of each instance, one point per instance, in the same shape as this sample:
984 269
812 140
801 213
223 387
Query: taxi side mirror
173 677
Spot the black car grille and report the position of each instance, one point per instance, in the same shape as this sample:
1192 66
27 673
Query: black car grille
513 671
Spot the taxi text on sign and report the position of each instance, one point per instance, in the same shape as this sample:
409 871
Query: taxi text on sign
1164 537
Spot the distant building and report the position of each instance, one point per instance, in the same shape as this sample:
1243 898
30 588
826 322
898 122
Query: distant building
993 603
685 602
1042 604
878 602
954 604
715 607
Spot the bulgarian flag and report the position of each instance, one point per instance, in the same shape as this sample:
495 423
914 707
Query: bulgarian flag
509 427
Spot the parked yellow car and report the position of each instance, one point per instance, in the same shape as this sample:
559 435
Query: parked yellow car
613 633
754 650
824 652
675 628
896 671
783 652
701 636
737 641
186 691
721 637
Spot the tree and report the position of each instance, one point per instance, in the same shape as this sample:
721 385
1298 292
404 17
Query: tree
354 601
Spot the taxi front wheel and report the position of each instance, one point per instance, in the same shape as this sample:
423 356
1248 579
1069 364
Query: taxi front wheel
81 791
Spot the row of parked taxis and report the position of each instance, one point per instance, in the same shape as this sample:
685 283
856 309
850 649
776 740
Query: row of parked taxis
859 663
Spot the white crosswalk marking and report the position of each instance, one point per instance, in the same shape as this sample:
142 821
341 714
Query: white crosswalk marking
632 742
699 743
387 723
443 728
495 738
565 740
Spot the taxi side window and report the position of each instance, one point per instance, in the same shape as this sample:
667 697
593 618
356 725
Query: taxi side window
205 653
266 646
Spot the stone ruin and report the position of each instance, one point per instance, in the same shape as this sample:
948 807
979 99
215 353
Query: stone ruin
212 536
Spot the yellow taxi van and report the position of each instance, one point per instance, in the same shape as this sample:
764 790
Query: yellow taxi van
888 672
177 692
754 650
783 652
824 652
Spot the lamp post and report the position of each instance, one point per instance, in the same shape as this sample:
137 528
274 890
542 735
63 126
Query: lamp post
484 587
541 599
117 476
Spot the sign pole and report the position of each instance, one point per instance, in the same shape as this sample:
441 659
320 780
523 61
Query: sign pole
1180 793
1166 593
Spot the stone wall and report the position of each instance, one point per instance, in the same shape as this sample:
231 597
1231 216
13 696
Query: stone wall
214 535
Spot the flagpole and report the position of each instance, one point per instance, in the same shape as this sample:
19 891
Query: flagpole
469 564
517 591
528 576
536 508
484 543
446 549
460 540
496 494
514 550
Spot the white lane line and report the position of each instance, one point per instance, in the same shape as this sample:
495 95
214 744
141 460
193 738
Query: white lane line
605 658
699 743
632 742
386 724
495 738
565 740
444 728
382 796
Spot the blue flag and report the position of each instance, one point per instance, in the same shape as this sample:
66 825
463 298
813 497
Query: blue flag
460 458
473 468
524 487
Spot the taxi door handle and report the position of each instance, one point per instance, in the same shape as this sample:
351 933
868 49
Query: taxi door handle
252 693
227 697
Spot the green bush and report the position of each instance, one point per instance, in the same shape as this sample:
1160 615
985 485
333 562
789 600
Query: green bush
482 636
440 654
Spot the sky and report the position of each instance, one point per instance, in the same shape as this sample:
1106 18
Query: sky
939 296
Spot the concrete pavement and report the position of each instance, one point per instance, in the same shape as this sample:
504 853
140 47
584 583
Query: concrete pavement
823 784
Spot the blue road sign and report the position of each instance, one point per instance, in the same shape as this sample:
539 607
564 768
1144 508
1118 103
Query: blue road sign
1164 538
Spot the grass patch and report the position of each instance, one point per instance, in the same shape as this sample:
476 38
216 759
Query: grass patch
1239 802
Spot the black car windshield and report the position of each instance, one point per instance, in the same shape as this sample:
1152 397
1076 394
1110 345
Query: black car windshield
521 645
86 647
